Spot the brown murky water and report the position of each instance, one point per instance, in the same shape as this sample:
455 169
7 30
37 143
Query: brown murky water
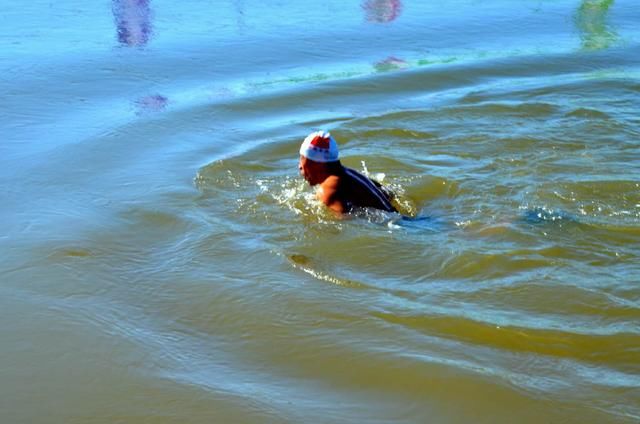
162 261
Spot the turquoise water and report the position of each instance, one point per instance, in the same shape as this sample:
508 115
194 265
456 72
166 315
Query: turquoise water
162 261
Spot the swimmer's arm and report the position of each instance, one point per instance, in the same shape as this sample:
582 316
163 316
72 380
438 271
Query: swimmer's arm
328 194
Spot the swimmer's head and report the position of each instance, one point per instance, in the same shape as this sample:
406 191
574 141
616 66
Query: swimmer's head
318 155
319 146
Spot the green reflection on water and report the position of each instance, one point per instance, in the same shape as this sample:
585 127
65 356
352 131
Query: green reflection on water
591 19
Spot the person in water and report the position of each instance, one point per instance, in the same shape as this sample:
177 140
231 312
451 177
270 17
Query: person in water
340 188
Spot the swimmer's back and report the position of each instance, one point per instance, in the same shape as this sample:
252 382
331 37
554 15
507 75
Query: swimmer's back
360 191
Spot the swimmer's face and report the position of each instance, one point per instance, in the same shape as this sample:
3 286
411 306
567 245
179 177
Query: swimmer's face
309 170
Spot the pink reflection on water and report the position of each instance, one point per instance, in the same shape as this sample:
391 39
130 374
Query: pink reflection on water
151 103
133 21
382 11
391 63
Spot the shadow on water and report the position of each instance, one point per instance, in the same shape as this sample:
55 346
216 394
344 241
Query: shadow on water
591 19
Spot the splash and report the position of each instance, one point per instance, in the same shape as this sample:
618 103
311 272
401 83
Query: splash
292 194
397 192
541 215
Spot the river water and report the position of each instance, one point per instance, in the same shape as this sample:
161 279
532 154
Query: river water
163 262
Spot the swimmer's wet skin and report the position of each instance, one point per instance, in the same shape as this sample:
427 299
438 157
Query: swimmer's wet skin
340 188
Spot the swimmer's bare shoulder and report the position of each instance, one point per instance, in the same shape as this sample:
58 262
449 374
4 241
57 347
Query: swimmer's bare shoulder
329 194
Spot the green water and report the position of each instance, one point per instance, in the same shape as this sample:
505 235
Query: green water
163 262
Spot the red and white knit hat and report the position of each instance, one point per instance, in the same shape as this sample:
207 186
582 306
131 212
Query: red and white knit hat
319 146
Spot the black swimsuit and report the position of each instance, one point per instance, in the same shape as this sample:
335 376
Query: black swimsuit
373 187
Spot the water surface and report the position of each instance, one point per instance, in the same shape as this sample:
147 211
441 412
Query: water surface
163 262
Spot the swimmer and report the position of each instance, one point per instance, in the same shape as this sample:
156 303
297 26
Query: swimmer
340 188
